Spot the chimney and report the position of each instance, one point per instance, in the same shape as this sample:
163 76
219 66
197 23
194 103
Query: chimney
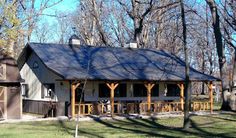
74 40
132 44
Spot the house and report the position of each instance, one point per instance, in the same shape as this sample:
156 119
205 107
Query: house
10 94
115 80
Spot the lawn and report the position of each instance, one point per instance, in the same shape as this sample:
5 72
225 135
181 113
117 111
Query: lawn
222 125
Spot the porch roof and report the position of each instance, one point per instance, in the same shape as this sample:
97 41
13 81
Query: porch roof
109 63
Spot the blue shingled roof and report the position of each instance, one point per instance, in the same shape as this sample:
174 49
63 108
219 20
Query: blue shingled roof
109 63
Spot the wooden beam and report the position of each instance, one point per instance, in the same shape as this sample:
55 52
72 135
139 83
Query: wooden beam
4 92
112 87
211 96
77 85
182 96
21 106
208 85
72 100
149 87
179 85
73 88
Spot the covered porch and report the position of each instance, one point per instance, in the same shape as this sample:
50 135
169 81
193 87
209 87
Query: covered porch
147 106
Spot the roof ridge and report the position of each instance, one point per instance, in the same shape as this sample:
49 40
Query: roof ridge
100 46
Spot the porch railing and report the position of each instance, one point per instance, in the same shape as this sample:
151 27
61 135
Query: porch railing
142 108
155 107
200 106
87 109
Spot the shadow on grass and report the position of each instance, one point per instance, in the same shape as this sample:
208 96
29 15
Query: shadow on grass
113 124
207 133
71 131
151 124
152 127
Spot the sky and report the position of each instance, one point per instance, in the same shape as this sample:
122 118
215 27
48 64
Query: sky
65 6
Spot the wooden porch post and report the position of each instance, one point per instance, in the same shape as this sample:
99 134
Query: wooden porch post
149 87
73 88
211 96
112 87
181 86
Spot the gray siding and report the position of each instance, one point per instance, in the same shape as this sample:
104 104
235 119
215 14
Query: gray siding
35 77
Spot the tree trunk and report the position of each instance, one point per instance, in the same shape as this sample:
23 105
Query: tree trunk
203 53
233 94
137 30
99 25
221 55
203 71
187 81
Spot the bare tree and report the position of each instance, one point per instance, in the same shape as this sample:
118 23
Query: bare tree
18 20
187 81
90 22
221 54
227 12
139 12
63 26
43 32
31 14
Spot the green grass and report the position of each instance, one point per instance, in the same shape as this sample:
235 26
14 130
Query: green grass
223 125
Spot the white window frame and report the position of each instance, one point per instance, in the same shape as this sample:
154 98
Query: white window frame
25 90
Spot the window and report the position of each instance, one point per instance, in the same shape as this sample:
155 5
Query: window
25 90
120 91
104 91
48 90
141 91
155 90
172 90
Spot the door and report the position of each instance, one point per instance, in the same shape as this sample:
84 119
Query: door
2 103
13 102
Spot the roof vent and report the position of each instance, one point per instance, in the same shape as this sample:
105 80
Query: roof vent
74 40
